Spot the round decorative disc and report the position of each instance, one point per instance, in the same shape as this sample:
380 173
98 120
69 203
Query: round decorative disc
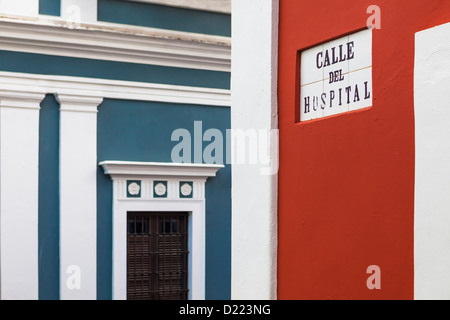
133 189
186 190
160 189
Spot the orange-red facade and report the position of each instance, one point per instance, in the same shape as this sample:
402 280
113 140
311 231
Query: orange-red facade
346 182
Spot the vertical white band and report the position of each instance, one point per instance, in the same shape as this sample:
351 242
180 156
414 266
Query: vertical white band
19 186
432 178
254 101
78 197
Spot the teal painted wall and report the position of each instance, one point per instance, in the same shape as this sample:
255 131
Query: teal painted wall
164 17
50 7
48 208
63 66
141 131
104 234
130 130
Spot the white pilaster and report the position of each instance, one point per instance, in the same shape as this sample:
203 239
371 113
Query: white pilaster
78 11
78 193
432 177
19 174
254 109
20 7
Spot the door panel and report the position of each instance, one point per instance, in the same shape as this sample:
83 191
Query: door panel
157 256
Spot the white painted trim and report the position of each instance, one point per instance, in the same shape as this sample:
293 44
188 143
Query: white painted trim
77 103
152 169
254 101
147 173
432 165
113 89
19 188
78 195
20 99
20 7
196 245
115 42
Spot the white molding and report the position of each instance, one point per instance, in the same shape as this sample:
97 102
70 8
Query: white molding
77 103
113 89
20 99
147 185
115 42
147 173
159 169
19 189
220 6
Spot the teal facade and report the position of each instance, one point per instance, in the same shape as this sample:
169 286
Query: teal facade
164 17
111 70
48 207
141 131
152 16
131 131
50 7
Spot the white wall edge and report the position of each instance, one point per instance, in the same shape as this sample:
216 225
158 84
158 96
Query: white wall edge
114 42
113 89
254 106
432 166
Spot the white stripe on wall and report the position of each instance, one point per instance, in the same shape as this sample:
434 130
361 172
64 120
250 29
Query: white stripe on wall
432 178
19 158
78 197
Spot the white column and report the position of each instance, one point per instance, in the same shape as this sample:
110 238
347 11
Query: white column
79 10
19 174
254 109
20 7
78 197
432 178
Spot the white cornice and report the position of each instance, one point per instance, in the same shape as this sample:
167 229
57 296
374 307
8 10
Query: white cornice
119 169
115 42
91 88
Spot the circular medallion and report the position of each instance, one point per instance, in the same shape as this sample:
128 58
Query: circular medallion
160 189
186 190
133 189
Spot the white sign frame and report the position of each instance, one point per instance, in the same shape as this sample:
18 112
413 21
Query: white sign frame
336 76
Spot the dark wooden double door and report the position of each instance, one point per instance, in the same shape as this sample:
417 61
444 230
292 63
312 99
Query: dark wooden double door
157 256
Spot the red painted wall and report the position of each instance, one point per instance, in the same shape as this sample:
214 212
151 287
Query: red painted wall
346 183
